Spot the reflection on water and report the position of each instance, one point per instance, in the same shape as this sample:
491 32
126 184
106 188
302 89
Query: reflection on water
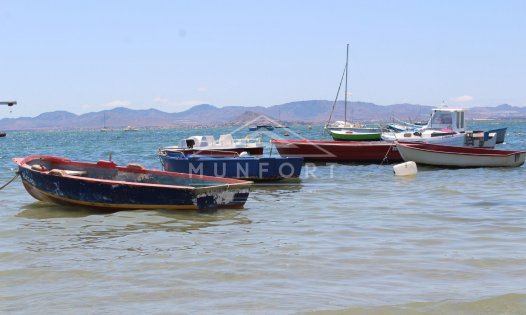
281 188
64 229
153 220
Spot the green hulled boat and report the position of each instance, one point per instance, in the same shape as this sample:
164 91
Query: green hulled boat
349 135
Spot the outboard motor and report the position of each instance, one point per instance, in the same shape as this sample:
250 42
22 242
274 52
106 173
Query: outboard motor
190 143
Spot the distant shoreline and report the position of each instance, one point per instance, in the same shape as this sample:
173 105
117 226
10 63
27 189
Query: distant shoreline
210 116
218 126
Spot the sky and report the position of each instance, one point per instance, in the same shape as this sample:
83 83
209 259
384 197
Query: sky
86 56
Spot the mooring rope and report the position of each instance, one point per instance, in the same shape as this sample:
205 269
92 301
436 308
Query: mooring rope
10 181
386 154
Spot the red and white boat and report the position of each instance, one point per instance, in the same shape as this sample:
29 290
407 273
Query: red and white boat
207 145
454 156
339 151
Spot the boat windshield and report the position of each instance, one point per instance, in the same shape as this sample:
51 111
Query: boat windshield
442 118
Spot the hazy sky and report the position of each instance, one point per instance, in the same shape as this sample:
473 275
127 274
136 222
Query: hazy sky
84 56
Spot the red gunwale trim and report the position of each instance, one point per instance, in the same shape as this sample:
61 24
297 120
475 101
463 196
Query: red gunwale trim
22 162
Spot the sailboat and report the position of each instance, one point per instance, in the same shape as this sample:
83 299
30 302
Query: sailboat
345 130
104 128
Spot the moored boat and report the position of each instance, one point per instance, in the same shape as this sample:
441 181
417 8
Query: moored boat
241 167
267 127
345 125
106 186
204 145
350 135
446 126
339 151
402 126
454 156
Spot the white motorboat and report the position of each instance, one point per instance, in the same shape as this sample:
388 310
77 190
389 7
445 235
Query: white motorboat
446 126
208 145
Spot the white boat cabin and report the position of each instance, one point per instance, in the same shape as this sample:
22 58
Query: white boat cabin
447 119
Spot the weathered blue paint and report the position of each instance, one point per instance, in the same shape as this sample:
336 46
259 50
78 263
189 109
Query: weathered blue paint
112 187
248 167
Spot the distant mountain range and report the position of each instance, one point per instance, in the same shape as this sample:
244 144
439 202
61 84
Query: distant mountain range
314 111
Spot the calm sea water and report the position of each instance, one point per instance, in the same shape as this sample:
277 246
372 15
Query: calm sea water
346 239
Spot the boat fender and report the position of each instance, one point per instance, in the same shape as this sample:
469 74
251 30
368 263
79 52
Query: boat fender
135 166
244 153
405 169
40 168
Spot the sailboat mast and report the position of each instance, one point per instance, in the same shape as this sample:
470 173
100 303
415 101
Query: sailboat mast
346 70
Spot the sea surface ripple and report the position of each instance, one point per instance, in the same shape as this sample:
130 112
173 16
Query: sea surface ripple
343 239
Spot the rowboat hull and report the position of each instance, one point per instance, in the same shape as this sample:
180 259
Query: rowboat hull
247 168
453 156
339 151
106 186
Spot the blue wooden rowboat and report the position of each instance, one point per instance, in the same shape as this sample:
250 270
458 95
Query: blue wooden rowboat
106 186
230 166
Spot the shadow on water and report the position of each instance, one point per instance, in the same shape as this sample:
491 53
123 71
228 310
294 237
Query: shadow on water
85 228
45 210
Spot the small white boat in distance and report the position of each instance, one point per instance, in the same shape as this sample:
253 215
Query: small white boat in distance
454 156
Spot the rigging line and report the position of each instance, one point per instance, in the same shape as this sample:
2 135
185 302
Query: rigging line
10 181
346 71
337 94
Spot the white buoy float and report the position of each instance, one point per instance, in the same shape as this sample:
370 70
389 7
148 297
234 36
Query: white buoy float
405 169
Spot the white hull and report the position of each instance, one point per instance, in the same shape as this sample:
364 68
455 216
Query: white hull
467 139
467 157
455 140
